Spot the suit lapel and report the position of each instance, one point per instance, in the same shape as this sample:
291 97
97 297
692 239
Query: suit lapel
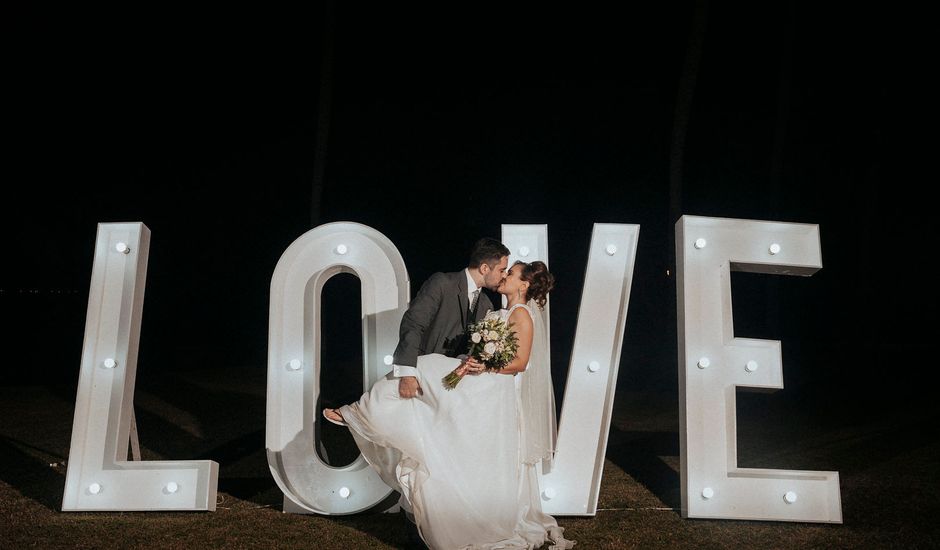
462 296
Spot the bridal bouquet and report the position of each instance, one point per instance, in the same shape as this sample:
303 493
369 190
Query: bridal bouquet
492 343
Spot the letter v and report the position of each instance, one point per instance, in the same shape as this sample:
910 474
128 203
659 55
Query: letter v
573 484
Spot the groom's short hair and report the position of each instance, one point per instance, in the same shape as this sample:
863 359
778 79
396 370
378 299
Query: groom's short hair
487 251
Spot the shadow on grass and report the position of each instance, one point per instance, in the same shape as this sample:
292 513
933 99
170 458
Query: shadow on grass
638 454
236 449
391 528
176 417
32 477
257 490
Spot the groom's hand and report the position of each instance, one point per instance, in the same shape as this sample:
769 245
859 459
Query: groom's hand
408 387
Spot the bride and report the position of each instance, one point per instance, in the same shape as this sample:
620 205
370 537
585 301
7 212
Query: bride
465 459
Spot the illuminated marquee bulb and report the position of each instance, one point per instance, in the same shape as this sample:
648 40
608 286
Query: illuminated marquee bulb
94 488
524 251
708 493
172 487
110 363
751 366
774 248
548 493
295 364
341 249
594 366
790 497
611 249
704 362
344 492
700 243
388 359
122 248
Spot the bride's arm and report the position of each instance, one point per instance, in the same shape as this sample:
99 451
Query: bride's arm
522 326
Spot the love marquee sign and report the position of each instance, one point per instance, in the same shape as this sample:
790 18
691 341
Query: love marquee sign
712 363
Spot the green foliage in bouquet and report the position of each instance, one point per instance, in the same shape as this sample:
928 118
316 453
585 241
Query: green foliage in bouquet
491 342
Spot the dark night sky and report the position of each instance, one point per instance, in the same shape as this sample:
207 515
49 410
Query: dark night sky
446 123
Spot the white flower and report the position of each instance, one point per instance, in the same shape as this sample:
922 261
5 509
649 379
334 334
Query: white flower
491 315
492 335
476 337
490 348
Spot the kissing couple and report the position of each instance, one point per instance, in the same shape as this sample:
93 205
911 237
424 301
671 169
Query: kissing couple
466 459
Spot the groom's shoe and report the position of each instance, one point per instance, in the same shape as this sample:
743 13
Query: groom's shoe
337 422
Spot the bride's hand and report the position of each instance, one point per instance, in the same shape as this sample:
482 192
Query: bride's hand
474 367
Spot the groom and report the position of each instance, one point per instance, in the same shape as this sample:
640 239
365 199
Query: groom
437 319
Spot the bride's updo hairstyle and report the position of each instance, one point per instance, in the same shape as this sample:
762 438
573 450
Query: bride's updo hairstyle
540 281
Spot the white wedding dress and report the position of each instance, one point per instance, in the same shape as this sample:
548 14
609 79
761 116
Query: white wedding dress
458 457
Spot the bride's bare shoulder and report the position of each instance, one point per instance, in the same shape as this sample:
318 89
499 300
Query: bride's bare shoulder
521 315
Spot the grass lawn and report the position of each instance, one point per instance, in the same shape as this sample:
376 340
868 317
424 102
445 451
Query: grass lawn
888 465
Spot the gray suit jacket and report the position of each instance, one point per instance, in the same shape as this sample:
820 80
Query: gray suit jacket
437 319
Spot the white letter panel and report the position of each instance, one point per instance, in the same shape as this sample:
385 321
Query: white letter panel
99 476
309 484
713 363
573 485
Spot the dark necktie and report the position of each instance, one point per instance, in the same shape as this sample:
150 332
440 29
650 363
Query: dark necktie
475 297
